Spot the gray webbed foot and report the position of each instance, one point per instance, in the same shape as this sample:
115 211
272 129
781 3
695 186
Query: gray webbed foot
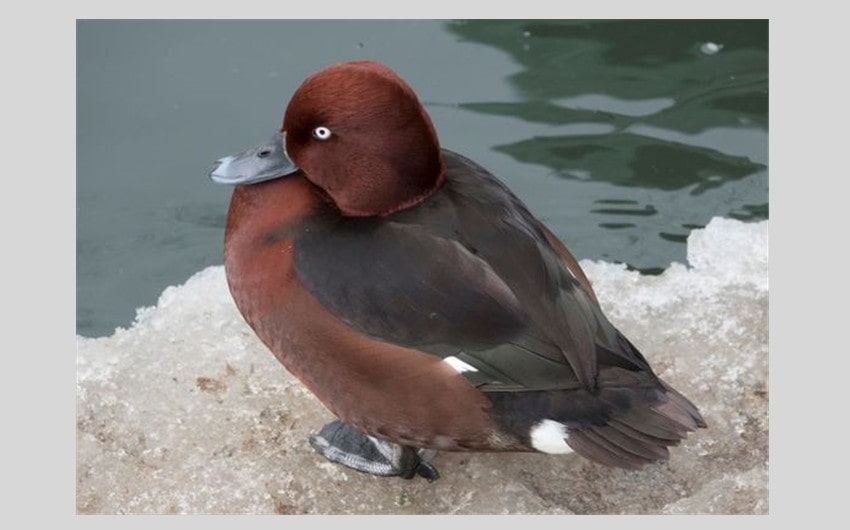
344 445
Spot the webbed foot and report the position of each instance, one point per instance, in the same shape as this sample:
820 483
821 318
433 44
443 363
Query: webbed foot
345 445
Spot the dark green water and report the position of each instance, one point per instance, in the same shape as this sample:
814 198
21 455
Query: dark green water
621 135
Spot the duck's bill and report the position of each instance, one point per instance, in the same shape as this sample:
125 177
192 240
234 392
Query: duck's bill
264 162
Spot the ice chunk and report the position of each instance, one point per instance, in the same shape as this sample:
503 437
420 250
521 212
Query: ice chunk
187 412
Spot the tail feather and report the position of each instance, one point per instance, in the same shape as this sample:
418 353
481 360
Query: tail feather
629 420
636 445
677 415
654 424
628 455
640 434
584 444
646 439
684 404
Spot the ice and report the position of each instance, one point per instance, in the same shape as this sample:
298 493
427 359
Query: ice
187 412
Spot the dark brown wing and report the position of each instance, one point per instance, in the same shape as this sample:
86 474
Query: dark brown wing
470 273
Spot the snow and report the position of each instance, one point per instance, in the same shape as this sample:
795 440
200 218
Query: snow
187 412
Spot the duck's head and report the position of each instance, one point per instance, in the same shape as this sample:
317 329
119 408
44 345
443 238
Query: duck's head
359 133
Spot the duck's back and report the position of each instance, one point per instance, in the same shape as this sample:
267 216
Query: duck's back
470 276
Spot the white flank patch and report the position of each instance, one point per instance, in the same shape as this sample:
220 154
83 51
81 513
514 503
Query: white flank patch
458 365
550 436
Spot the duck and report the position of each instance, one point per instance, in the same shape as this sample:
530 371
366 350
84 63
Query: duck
420 300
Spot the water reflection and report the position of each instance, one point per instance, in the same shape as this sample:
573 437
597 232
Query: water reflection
633 160
634 59
662 111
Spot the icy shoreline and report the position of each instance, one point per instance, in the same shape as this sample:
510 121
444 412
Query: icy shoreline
186 412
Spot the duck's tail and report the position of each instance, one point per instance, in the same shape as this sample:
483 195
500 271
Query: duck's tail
639 434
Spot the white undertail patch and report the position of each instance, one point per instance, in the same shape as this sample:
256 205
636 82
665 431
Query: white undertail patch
458 365
550 436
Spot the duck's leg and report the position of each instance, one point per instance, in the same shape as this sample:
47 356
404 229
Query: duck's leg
345 445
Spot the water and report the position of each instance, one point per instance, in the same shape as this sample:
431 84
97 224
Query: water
623 136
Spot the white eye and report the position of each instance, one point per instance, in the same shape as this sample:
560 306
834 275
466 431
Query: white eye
322 133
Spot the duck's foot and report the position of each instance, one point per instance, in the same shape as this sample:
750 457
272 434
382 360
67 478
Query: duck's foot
344 445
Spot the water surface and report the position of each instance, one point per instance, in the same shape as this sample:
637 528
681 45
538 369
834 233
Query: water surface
621 135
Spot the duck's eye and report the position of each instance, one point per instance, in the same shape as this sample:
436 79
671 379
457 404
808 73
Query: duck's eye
321 133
